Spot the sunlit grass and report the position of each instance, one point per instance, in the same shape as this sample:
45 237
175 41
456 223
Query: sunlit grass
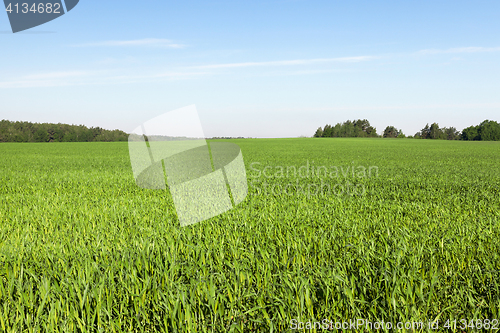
83 249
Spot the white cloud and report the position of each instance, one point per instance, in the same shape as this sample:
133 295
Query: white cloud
460 50
288 62
151 42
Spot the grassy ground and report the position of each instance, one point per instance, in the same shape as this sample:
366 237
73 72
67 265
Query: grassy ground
83 249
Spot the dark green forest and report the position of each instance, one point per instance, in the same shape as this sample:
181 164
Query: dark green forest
350 129
23 131
488 130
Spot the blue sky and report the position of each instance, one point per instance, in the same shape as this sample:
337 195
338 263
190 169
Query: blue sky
257 68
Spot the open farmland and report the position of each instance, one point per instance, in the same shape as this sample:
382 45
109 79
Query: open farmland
83 249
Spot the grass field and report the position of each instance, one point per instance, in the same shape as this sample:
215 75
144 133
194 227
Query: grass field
83 249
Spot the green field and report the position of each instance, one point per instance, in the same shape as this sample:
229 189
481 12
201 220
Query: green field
83 249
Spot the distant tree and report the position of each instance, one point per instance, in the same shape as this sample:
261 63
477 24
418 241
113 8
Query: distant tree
363 128
86 135
360 126
35 132
451 133
425 133
348 129
489 130
319 133
20 137
41 135
390 132
435 132
430 132
470 133
121 136
337 130
327 131
69 137
371 131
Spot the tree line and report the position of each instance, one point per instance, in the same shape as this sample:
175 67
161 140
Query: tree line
488 130
23 131
348 129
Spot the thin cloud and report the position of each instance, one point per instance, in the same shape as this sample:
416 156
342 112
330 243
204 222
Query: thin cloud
78 78
117 61
288 62
415 107
35 83
146 42
151 77
57 75
49 79
460 50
